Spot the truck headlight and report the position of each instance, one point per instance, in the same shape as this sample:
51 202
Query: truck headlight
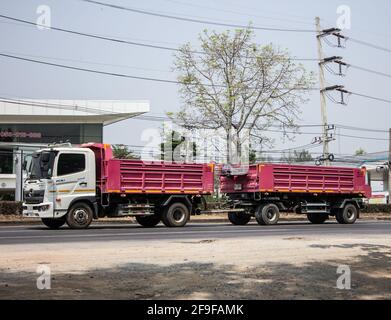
43 208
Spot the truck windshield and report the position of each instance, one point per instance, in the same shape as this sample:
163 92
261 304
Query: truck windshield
42 165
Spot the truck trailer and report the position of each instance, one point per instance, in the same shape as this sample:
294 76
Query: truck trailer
264 190
76 185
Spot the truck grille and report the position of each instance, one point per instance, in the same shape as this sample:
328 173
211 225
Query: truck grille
33 197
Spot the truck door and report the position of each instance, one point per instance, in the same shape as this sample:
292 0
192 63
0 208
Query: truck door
72 179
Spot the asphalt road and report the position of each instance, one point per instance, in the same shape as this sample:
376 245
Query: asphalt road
31 234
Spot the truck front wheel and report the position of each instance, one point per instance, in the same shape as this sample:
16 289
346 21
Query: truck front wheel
53 223
176 215
148 221
347 215
267 214
317 218
239 218
79 216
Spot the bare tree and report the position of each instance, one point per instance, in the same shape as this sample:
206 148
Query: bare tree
235 84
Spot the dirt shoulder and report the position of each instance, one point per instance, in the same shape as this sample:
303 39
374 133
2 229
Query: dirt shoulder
267 267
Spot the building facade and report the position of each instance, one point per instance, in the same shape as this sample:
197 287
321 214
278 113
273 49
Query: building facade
27 125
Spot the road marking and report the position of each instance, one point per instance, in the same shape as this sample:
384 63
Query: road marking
141 234
198 232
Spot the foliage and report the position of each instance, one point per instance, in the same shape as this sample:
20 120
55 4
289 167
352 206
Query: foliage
121 151
360 152
238 85
297 156
174 142
10 207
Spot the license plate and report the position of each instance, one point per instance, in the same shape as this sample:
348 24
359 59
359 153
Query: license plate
237 187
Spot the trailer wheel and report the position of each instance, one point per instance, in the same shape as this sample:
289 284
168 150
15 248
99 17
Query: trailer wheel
239 218
53 223
317 218
79 216
347 215
267 214
148 221
176 215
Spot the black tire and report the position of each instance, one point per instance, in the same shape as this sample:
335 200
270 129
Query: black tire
347 215
267 214
317 218
148 221
79 216
176 215
239 218
53 223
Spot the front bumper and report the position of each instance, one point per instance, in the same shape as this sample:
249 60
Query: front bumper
41 210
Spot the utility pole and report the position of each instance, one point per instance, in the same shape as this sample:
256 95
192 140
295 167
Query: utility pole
18 159
322 85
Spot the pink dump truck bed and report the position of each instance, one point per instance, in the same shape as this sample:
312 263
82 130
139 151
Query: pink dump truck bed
135 176
140 177
298 178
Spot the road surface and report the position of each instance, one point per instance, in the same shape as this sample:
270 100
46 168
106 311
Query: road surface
31 234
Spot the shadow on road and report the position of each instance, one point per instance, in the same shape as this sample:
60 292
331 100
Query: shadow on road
315 280
192 224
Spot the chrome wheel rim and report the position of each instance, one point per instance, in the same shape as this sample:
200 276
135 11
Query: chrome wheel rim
80 216
178 215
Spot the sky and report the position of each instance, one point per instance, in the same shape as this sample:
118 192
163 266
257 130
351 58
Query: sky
369 22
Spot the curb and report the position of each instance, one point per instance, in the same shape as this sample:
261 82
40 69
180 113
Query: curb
212 220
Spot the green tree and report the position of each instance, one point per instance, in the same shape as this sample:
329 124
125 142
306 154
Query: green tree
121 151
360 152
297 156
238 85
173 140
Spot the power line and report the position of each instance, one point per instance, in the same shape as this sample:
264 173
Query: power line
89 70
370 71
161 118
237 12
87 62
52 105
122 41
360 128
89 35
359 137
374 46
178 18
370 97
124 75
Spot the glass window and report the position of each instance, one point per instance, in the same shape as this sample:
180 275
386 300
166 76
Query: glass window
69 163
6 161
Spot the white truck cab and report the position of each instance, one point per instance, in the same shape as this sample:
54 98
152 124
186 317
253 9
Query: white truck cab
58 178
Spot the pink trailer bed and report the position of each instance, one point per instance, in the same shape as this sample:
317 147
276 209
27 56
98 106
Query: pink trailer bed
298 179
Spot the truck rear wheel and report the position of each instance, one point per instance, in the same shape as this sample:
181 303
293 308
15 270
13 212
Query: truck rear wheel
79 216
176 215
148 221
317 218
239 218
267 214
53 223
347 215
